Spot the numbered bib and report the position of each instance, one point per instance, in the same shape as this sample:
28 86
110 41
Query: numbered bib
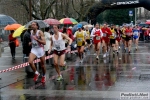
104 34
79 39
136 33
58 47
34 44
98 38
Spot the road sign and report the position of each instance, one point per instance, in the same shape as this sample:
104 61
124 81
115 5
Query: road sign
130 13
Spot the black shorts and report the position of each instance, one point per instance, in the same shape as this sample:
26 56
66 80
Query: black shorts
112 41
128 38
88 41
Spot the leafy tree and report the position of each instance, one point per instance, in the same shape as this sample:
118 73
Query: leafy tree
115 16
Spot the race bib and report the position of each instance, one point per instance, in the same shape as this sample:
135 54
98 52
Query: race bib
58 47
34 44
136 33
79 39
98 38
104 34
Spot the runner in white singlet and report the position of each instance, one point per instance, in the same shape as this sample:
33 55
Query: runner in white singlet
58 44
37 51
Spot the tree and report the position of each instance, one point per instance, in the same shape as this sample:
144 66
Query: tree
81 7
40 8
115 16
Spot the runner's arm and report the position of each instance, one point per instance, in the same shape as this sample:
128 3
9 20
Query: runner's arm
66 37
42 40
51 46
101 33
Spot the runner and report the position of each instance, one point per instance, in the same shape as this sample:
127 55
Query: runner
123 36
88 37
113 39
128 43
37 51
97 34
80 36
105 40
136 35
58 43
118 37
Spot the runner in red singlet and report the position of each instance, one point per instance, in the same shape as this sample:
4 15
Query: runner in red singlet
105 40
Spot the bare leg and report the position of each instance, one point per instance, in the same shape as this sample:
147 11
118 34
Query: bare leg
31 59
43 65
56 64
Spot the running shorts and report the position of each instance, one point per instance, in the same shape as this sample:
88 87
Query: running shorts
135 37
88 41
118 39
59 53
39 52
128 38
112 41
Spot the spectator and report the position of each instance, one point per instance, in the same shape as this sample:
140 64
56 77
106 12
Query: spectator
47 39
12 44
26 41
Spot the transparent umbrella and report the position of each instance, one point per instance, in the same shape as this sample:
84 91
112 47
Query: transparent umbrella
41 23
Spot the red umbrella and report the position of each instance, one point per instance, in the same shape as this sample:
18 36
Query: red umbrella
52 21
148 22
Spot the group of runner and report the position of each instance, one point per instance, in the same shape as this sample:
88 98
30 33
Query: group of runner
109 38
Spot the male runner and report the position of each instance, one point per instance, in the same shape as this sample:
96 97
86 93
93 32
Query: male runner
58 44
80 36
105 40
37 51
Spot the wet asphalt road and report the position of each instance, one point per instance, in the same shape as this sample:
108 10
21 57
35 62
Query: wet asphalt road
91 80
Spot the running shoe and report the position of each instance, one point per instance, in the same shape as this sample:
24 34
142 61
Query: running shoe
113 52
104 56
65 67
36 76
97 58
119 47
59 78
43 79
136 48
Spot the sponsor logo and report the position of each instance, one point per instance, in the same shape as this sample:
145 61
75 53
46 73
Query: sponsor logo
127 2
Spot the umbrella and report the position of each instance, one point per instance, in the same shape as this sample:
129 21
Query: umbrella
148 22
12 27
68 21
19 31
52 21
89 26
75 28
83 23
41 23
